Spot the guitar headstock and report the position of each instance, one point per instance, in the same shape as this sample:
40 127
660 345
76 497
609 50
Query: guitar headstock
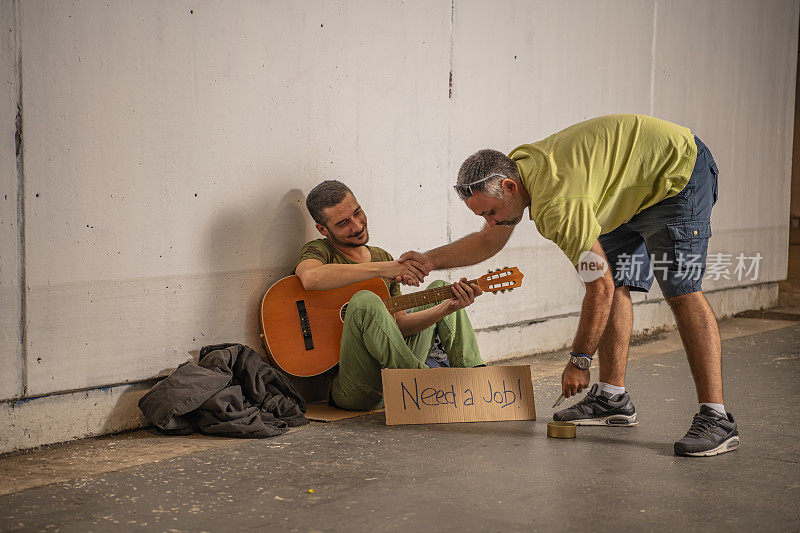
500 280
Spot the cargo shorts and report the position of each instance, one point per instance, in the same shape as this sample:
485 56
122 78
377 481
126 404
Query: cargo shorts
669 240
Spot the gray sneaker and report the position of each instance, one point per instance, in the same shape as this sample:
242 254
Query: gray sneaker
598 409
711 434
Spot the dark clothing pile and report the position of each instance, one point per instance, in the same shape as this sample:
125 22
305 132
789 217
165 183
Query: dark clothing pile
232 392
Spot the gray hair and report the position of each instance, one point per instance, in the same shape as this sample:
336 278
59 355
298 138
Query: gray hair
479 168
327 194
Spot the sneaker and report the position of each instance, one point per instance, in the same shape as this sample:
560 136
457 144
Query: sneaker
711 434
598 409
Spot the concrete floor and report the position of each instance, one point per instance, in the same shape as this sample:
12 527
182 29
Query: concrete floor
360 475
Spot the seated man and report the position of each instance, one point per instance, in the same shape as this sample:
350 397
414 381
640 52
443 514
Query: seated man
372 338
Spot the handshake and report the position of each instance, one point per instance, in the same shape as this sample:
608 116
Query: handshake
410 269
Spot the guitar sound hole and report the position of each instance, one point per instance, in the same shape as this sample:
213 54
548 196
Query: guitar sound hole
342 312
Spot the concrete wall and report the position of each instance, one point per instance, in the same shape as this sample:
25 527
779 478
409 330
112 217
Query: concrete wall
168 147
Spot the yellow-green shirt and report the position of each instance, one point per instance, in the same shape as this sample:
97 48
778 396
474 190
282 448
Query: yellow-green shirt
588 179
322 250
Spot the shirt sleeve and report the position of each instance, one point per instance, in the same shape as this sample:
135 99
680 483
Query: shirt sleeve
314 250
571 224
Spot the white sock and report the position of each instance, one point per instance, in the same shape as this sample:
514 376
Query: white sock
718 407
610 390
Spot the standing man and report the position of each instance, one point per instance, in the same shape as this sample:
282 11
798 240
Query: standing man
621 190
373 338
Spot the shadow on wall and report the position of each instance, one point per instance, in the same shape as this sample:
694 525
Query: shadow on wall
292 214
126 414
278 228
260 231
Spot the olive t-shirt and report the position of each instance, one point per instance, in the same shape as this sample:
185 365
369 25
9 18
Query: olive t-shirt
594 176
323 251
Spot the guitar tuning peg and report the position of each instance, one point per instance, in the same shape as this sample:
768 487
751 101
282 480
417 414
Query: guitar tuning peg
505 267
502 290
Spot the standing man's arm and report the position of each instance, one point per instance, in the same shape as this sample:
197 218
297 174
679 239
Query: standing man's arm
469 250
594 316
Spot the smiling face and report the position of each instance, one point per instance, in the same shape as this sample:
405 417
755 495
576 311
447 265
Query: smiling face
506 210
345 223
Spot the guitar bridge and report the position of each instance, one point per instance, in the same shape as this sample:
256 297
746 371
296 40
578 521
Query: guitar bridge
305 325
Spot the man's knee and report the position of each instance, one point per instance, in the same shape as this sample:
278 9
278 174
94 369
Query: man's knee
364 300
437 283
681 300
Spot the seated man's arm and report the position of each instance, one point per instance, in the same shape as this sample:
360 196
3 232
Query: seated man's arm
464 294
317 276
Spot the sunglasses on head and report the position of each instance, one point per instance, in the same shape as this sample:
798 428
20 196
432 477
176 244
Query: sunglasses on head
466 190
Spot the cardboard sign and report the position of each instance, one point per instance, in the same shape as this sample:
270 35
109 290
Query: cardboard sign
442 395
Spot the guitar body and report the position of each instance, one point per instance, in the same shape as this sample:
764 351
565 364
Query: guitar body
303 329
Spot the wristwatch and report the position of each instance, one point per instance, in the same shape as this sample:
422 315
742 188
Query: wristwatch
581 360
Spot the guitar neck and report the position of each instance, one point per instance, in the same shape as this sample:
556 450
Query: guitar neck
416 299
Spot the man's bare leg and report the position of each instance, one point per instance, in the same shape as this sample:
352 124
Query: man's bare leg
700 336
613 347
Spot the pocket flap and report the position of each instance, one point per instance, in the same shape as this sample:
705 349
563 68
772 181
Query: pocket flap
689 230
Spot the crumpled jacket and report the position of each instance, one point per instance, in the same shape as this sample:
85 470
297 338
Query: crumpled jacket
232 392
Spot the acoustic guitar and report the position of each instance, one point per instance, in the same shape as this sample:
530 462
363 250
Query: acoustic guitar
302 329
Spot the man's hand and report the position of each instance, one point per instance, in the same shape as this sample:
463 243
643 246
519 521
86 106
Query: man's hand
418 261
464 294
573 380
407 274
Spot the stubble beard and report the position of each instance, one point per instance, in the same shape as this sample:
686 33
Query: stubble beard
516 220
352 244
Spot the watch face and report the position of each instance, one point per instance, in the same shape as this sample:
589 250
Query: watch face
581 362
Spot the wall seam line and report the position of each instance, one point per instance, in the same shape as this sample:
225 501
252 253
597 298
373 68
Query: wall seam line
21 252
791 97
576 314
653 60
145 381
450 100
154 379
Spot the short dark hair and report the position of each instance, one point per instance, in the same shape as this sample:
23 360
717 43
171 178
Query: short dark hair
485 163
327 194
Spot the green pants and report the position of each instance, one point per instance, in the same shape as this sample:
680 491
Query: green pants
372 341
